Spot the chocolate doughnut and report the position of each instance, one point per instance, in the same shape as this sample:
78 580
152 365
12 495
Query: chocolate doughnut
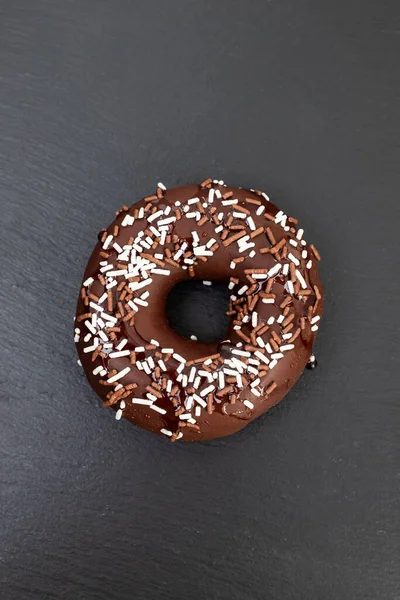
178 387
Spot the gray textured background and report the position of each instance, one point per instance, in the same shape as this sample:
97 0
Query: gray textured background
99 100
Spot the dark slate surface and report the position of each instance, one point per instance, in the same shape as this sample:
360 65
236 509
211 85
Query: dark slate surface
99 101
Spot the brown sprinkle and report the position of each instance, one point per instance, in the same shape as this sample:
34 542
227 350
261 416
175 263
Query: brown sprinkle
84 316
252 201
210 398
315 252
317 292
272 386
202 221
257 232
233 238
226 390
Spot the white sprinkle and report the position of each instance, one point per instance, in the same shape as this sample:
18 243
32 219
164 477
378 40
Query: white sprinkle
161 186
111 285
252 370
240 352
304 254
118 414
151 362
221 380
194 338
261 356
106 268
169 386
155 216
189 402
220 216
151 397
301 279
118 354
280 319
118 248
252 254
248 404
122 404
260 342
167 350
275 269
251 223
146 368
88 281
287 336
219 228
211 195
180 368
166 221
218 194
91 348
279 216
141 401
141 213
293 243
254 319
272 364
116 273
196 382
271 320
293 259
255 383
205 282
309 264
243 290
192 374
229 202
232 264
97 370
286 347
315 319
103 298
299 234
90 327
138 285
285 269
197 411
161 271
162 411
107 242
179 358
132 305
260 210
119 375
166 432
185 416
254 361
314 328
162 365
290 287
87 337
76 338
163 236
200 400
268 300
239 215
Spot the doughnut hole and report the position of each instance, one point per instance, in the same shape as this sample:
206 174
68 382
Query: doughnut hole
197 309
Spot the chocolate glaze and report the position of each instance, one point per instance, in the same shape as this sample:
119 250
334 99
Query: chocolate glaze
150 322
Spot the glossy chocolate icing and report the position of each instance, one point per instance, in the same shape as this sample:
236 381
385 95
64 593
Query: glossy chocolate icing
151 323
